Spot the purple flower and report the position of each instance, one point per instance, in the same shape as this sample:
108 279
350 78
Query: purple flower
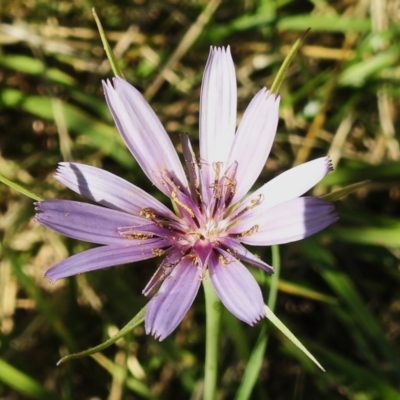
214 216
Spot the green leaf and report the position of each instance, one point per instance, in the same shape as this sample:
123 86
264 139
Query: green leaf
110 55
376 236
20 189
43 305
23 383
253 367
296 289
357 74
286 63
281 326
345 289
331 23
129 327
361 378
339 194
99 134
33 66
360 172
255 361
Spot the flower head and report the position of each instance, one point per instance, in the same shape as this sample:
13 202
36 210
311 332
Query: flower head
213 216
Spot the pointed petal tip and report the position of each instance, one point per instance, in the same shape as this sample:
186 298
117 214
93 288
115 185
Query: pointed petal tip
222 49
329 164
157 335
255 319
47 275
106 83
237 288
168 307
258 318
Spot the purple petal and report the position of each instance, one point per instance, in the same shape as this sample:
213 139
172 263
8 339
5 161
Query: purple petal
168 307
86 222
171 259
290 184
253 140
236 287
143 133
217 110
294 220
105 256
233 247
108 189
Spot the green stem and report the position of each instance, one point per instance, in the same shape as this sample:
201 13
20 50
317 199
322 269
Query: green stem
273 291
286 63
213 323
110 55
20 189
128 328
254 364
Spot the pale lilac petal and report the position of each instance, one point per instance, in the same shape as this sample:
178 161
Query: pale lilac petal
253 140
108 189
143 133
105 256
233 247
290 184
86 222
171 258
236 287
168 307
217 110
294 220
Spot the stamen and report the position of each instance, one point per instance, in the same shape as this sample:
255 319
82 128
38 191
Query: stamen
197 235
181 204
231 185
193 169
152 216
147 213
233 253
249 232
216 185
194 258
253 203
138 235
223 260
158 252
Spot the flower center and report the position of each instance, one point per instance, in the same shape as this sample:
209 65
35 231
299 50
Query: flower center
212 229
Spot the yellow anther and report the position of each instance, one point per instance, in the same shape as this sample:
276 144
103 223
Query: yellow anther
250 231
157 252
138 236
181 204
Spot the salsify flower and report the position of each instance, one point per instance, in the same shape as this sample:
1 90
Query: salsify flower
214 214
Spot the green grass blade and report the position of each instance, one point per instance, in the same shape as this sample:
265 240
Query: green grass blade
286 63
332 23
281 326
110 55
339 194
358 378
254 364
23 383
46 309
129 327
20 189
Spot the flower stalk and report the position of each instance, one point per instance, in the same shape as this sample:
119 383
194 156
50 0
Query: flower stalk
213 325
